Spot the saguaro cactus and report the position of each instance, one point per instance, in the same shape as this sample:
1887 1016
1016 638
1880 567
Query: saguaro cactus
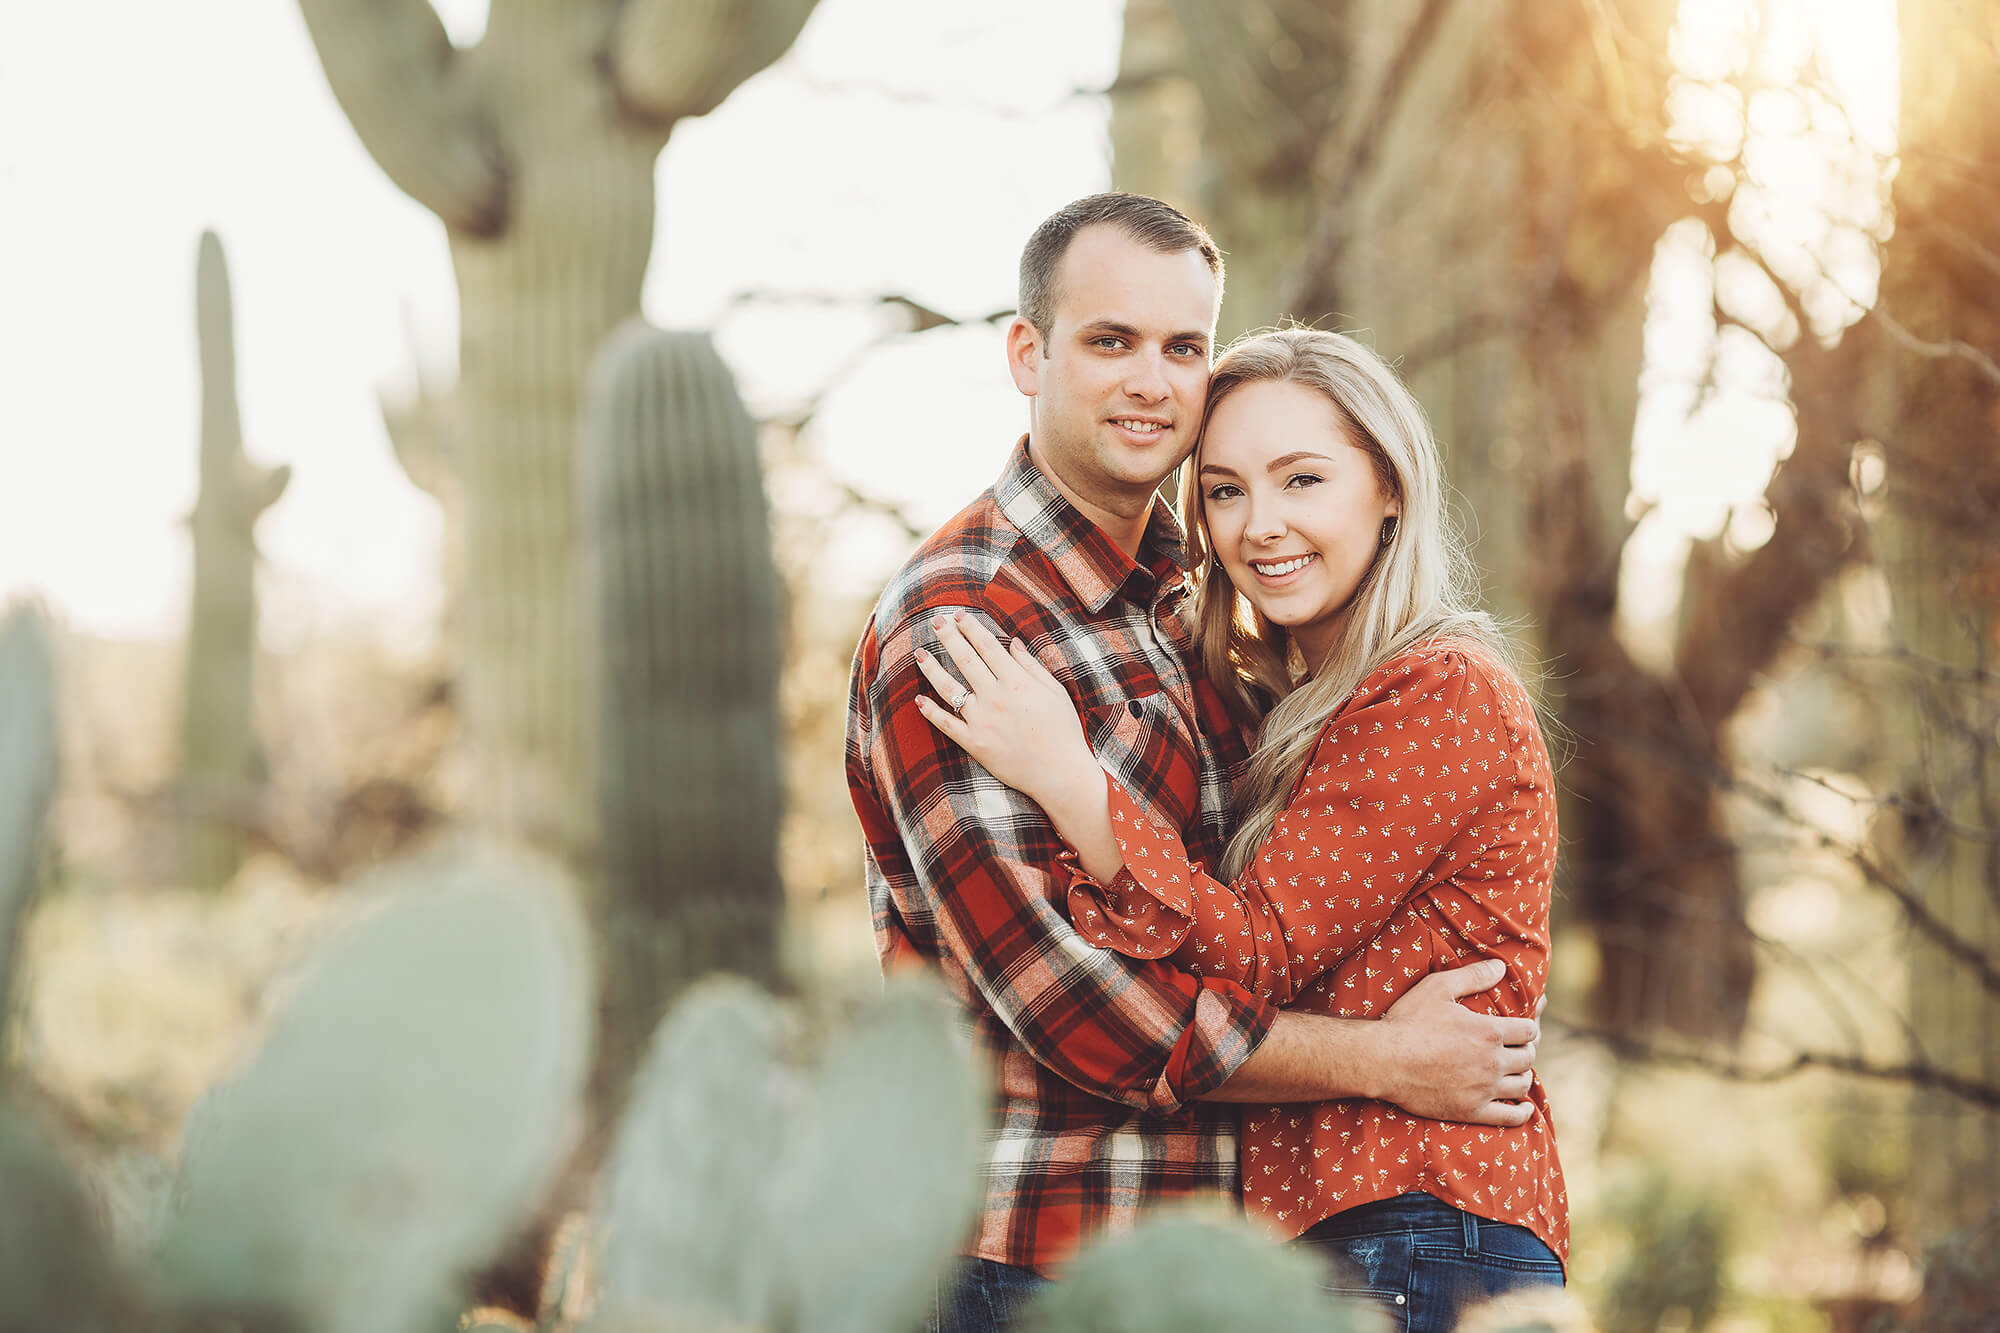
686 604
536 148
219 758
27 772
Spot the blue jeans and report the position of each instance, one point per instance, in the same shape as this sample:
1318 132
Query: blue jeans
982 1296
1423 1261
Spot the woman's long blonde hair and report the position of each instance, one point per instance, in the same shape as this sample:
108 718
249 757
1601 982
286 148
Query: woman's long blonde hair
1421 586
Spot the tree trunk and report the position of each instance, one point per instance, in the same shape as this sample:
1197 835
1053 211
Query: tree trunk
1940 395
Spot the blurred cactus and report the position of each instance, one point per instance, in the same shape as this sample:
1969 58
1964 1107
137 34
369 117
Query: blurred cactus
55 1272
536 147
1673 1269
1189 1274
219 755
679 555
27 772
736 1198
408 1106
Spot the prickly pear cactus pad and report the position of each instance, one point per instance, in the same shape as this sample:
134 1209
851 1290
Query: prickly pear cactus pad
689 1209
27 769
741 1197
1189 1274
54 1273
413 1094
880 1188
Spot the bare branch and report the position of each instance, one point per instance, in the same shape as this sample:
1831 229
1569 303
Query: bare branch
1917 1074
1949 347
924 318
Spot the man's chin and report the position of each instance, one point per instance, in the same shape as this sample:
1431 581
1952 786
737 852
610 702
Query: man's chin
1143 469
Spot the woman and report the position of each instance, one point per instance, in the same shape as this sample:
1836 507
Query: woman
1397 816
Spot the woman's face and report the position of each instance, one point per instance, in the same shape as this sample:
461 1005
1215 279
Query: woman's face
1294 508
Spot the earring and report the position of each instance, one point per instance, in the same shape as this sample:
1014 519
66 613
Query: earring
1388 531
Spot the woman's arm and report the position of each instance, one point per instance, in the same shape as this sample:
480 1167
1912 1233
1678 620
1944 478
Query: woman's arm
1407 764
1031 739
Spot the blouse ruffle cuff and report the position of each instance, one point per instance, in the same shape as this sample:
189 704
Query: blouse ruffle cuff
1148 908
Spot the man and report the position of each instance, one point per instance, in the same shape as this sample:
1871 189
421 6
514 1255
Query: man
1113 1076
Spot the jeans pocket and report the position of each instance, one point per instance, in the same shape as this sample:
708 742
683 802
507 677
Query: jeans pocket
1445 1282
1393 1306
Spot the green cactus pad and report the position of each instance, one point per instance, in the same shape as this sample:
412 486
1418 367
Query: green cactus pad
54 1268
27 769
1185 1273
689 1213
880 1188
411 1099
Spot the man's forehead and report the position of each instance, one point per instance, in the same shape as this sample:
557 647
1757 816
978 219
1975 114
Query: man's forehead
1108 276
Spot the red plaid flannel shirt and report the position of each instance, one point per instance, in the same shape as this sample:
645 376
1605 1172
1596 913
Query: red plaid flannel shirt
1097 1058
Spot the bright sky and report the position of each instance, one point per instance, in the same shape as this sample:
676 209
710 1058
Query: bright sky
132 125
1712 418
902 146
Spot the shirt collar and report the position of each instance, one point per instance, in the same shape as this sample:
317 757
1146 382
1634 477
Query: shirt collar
1089 561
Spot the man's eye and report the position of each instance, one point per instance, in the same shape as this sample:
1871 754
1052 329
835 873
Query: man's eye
1187 349
1108 341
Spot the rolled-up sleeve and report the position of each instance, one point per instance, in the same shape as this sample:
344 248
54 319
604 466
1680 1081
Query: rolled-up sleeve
1397 776
987 868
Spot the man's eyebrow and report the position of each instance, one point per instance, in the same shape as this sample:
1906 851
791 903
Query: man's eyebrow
1098 327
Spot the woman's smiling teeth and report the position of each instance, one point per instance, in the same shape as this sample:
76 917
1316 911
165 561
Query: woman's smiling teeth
1277 569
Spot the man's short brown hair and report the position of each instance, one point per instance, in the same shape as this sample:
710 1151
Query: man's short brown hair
1156 225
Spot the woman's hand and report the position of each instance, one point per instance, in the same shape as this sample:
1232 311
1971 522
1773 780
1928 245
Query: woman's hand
1011 715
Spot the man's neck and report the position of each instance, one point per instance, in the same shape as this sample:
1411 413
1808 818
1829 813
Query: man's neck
1127 531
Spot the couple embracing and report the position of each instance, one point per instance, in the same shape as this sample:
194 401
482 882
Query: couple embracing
1233 835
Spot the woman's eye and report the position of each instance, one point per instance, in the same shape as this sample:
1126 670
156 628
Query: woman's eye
1221 492
1303 480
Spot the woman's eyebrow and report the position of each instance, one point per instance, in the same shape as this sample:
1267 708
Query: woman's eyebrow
1218 469
1293 457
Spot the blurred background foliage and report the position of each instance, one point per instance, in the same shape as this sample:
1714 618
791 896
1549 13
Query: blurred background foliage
344 945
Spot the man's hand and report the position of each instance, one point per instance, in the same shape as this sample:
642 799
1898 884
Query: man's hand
1440 1060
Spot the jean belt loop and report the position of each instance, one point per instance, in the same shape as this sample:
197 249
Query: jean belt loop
1471 1225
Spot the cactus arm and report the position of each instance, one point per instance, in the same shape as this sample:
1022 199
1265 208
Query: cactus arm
27 767
673 58
215 335
261 488
390 65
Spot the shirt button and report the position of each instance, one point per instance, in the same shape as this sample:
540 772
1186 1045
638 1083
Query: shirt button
1399 1299
1132 707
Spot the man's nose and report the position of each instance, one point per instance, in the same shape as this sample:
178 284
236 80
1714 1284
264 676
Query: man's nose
1148 380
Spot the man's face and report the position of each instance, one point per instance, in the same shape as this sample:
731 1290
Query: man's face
1119 381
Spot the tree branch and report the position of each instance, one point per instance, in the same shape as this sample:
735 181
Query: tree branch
390 65
1918 1074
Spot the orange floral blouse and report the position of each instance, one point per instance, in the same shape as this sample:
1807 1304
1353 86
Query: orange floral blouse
1421 836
